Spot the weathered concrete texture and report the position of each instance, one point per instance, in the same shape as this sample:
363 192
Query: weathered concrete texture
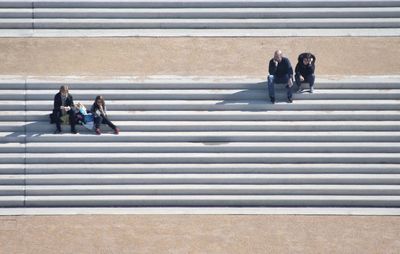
199 234
193 56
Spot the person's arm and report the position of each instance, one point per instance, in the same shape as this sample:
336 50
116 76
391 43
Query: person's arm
314 59
272 67
297 69
71 101
56 103
311 68
290 69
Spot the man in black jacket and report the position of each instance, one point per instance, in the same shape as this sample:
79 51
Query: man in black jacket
64 104
280 71
305 70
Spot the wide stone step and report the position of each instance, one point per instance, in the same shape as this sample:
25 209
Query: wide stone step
68 158
293 23
309 23
204 23
215 201
309 115
183 147
211 168
203 189
254 105
205 137
188 83
202 94
174 126
122 179
201 13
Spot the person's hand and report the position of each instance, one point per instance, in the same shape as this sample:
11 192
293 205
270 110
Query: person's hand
67 108
290 82
301 78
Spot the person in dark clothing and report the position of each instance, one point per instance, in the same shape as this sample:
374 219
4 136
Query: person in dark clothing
304 71
99 112
63 105
280 71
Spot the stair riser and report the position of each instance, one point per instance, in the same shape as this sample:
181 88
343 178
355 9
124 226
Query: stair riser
44 127
182 86
207 149
261 116
204 4
201 191
245 96
40 24
205 159
188 138
211 170
211 203
222 107
81 14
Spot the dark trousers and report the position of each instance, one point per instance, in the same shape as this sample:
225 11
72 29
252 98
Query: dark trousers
103 120
72 116
280 80
309 79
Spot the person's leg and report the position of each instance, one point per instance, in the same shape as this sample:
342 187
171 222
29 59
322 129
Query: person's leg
311 80
271 87
57 118
298 81
109 123
97 121
285 80
72 120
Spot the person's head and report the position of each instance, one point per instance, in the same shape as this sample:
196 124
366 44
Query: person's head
99 101
307 59
278 56
64 90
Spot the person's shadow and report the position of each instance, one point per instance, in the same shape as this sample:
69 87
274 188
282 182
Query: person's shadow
254 98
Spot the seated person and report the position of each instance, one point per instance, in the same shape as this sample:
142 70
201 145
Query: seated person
99 112
305 70
63 105
280 71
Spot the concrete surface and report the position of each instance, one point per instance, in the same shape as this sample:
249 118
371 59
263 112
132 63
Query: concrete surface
224 57
199 234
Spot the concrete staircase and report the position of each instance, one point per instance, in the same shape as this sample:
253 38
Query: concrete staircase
256 17
204 144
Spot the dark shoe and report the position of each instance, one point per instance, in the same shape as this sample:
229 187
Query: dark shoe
74 132
116 131
57 131
289 100
272 100
98 132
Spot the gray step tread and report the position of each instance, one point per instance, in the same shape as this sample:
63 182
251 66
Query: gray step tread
238 123
210 9
196 91
203 3
281 168
190 144
227 112
169 20
201 189
202 102
207 155
226 176
216 197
